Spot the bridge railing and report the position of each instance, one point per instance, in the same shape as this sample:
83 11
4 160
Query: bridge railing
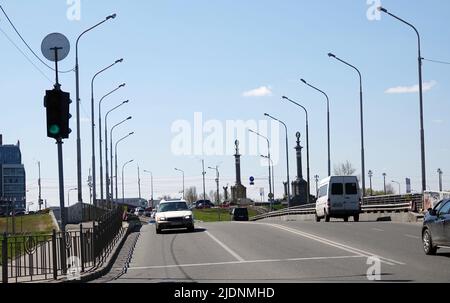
27 258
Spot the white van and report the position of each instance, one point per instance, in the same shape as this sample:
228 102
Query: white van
339 197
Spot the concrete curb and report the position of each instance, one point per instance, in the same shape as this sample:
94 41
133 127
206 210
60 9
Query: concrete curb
107 266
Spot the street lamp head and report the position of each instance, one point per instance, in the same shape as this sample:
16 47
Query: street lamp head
304 81
130 134
331 55
266 114
382 9
119 61
113 16
126 101
129 118
122 85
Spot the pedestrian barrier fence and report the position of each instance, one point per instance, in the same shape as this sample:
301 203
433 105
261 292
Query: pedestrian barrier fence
39 257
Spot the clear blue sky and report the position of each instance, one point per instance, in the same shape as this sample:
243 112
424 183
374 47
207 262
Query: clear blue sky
183 57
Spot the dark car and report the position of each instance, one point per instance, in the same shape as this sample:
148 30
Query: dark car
239 214
201 204
436 228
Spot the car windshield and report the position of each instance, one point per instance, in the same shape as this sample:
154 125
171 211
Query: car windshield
175 206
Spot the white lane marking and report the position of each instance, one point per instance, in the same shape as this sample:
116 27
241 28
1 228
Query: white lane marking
229 250
413 237
336 244
246 262
378 229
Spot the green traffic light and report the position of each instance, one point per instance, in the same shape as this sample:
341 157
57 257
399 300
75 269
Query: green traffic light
54 129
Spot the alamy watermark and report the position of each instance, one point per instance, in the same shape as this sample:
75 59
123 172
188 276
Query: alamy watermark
217 138
73 269
374 270
74 10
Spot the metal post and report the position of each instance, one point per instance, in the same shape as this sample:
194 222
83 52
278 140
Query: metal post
54 256
82 248
62 205
316 178
384 178
5 258
139 182
39 185
370 178
440 179
204 173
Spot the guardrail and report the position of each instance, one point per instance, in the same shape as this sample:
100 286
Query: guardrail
310 209
27 258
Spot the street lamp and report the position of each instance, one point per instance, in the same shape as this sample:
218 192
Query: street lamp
307 145
287 156
399 187
269 159
123 183
68 195
100 135
328 123
422 131
94 176
151 183
362 120
217 183
77 84
273 180
182 172
370 178
109 193
115 158
440 172
384 178
316 178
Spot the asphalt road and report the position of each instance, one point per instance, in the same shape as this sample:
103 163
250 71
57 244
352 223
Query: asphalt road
279 251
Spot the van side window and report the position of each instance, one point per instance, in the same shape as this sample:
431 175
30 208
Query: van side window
351 189
323 191
337 189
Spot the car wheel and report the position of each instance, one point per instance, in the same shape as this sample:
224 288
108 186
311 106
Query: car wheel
356 218
327 217
346 219
428 243
191 228
158 230
317 218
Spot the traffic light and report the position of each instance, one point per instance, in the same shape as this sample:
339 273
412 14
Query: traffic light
57 104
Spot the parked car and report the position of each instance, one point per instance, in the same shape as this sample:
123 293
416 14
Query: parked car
436 228
239 214
201 204
173 214
339 197
139 211
18 212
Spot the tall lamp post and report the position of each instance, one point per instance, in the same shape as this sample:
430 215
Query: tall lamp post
370 178
77 84
94 175
115 158
328 123
109 193
440 172
307 145
384 181
151 183
269 159
273 180
217 183
422 131
123 181
363 163
182 172
287 156
316 178
111 153
100 135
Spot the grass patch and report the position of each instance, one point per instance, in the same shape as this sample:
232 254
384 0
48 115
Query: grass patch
31 224
216 215
40 226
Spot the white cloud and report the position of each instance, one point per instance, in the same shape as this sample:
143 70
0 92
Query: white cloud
262 91
427 86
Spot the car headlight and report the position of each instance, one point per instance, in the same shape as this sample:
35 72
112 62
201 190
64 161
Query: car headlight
188 217
162 219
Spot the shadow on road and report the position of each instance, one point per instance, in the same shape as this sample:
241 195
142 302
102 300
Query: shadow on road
182 231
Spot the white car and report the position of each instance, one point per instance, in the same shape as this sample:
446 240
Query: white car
339 197
173 214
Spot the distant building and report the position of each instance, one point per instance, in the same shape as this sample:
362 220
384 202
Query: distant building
12 176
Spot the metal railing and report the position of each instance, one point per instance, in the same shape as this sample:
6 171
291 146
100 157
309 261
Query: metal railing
27 258
408 203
